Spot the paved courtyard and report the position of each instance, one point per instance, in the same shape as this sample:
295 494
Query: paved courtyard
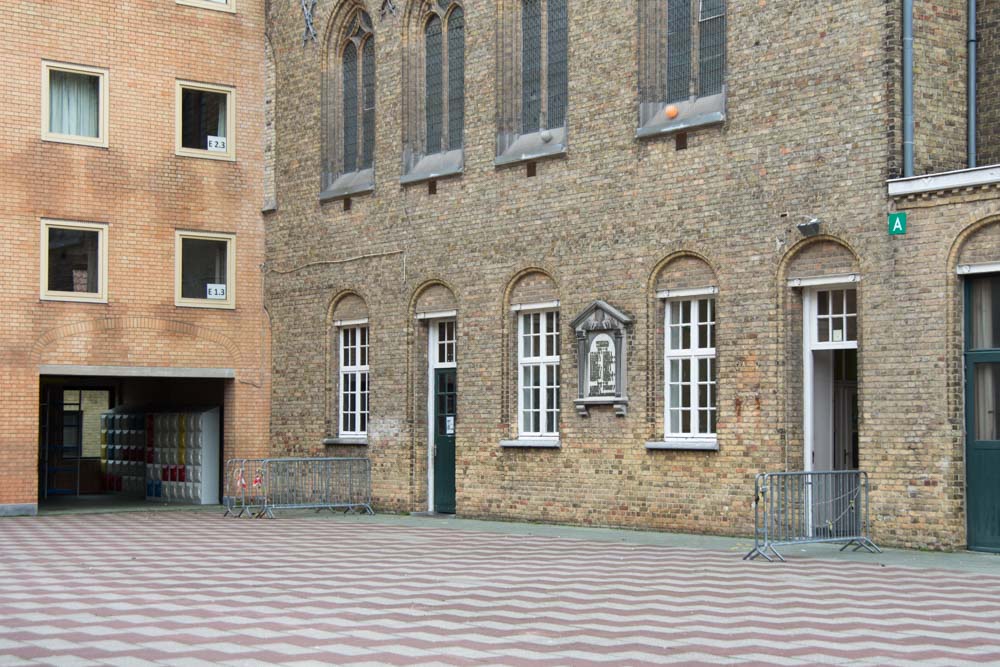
190 588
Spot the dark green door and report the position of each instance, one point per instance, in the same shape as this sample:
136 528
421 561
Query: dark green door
445 399
983 450
982 412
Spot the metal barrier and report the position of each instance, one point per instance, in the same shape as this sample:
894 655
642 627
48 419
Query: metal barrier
257 487
805 507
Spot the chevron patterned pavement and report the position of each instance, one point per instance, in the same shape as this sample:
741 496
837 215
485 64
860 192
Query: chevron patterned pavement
193 588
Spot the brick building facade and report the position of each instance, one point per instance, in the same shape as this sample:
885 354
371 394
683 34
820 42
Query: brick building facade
703 205
98 307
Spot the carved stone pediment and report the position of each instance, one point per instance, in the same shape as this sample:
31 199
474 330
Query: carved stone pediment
601 331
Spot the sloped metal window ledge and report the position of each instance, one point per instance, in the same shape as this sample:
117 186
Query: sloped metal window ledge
691 114
347 185
362 442
534 146
439 165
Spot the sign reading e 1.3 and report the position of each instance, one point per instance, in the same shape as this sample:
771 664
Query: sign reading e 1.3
215 291
897 223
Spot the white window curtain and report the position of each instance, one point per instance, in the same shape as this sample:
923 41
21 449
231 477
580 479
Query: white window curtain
220 130
74 104
987 399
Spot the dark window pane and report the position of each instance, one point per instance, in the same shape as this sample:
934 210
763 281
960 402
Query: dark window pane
678 50
456 78
433 83
531 65
203 263
203 114
712 46
350 107
73 265
368 67
557 65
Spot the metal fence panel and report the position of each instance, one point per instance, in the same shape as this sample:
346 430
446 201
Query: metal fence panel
258 487
807 507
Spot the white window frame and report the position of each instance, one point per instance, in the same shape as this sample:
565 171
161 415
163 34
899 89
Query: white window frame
546 362
101 296
694 439
230 301
101 140
230 92
357 370
225 6
811 305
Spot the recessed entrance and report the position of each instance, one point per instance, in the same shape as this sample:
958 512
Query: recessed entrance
442 416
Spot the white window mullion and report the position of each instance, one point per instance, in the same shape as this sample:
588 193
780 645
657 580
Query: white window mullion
538 374
689 349
354 381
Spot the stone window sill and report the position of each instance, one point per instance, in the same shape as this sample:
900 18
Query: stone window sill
533 443
685 444
359 441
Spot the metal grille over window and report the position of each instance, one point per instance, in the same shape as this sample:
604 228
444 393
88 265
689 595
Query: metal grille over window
433 83
350 96
678 50
368 72
691 373
354 381
531 65
711 46
557 63
456 78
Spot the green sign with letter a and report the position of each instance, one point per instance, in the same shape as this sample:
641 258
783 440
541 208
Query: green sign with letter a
897 223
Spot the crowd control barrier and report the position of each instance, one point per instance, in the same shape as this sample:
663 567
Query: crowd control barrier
805 507
258 487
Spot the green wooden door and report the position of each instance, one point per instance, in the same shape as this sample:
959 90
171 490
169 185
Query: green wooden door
445 399
982 412
983 450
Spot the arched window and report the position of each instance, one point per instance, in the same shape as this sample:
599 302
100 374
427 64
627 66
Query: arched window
350 109
533 77
682 64
433 143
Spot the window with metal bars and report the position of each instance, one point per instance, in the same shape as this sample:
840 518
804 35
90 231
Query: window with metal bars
350 114
682 61
444 77
544 73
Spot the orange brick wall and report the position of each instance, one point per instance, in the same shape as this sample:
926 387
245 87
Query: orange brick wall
143 192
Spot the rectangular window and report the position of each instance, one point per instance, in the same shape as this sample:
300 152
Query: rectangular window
218 5
74 261
354 381
985 311
837 317
74 104
205 270
538 374
446 343
205 121
691 369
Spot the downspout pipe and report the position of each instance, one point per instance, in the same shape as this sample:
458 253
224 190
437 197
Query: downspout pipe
973 47
908 88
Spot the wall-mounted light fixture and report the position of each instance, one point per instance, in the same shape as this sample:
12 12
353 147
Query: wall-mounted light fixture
810 227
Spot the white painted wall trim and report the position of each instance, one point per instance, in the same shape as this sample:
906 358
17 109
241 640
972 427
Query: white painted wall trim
681 293
840 279
138 371
545 305
949 180
351 323
971 269
437 315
